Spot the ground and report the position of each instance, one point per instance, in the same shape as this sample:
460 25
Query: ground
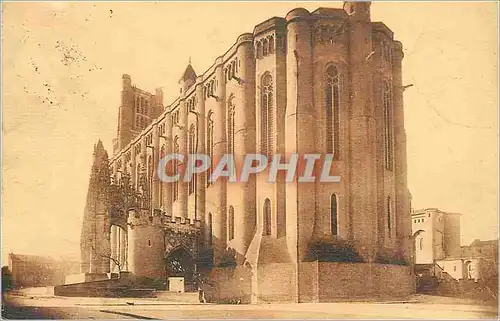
40 304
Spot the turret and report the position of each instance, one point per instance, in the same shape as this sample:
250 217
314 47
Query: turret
359 10
125 114
363 227
146 244
188 79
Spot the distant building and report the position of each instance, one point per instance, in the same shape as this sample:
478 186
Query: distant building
33 270
436 234
438 251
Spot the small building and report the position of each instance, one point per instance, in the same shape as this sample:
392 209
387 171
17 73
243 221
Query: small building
436 234
438 252
35 271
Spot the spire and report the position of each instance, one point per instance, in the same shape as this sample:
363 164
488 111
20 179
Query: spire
189 74
188 77
99 150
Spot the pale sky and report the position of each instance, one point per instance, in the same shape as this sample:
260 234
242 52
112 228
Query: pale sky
62 67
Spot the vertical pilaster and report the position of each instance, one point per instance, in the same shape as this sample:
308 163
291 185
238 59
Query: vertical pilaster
144 157
156 181
183 146
244 144
299 128
200 138
123 249
168 150
220 148
403 215
114 242
362 133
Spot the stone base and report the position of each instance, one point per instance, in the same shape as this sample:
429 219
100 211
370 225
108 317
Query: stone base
337 281
317 282
85 277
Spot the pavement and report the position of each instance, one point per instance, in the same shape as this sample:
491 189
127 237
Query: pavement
42 305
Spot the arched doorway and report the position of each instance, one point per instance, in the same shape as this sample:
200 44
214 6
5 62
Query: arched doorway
179 263
468 270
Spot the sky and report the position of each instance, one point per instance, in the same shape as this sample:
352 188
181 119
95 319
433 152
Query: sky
62 67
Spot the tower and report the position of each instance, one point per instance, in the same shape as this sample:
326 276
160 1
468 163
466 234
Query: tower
125 115
146 244
362 205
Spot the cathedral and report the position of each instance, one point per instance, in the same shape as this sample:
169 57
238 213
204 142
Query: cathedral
326 82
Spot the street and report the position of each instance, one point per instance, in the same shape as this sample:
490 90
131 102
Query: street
40 305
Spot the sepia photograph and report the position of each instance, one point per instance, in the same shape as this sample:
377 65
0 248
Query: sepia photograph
249 160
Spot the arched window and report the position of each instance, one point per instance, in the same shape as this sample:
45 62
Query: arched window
210 145
267 217
162 154
388 124
271 45
175 171
230 223
150 177
389 216
266 116
230 128
265 47
258 50
138 176
233 69
192 150
209 223
334 215
332 102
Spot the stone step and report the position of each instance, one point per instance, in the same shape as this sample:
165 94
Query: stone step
170 296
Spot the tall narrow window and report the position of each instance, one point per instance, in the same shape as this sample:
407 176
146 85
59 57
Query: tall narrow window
332 102
138 176
271 45
388 124
421 243
389 216
209 222
175 171
137 105
259 49
267 217
265 47
192 150
210 145
162 154
334 215
266 115
230 128
150 178
230 223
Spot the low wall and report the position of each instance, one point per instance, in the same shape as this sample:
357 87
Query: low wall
105 288
318 282
85 277
359 281
276 283
229 284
